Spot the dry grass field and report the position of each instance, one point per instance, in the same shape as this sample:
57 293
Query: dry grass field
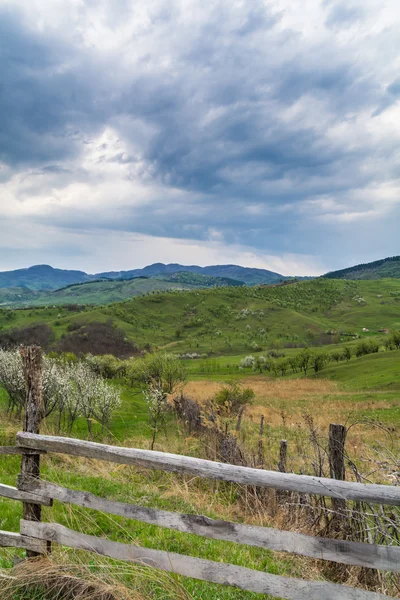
301 409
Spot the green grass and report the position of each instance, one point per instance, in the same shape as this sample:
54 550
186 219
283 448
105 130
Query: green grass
374 371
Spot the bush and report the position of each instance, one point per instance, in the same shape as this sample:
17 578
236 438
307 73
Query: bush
347 353
318 362
248 362
367 347
98 339
39 334
231 398
393 342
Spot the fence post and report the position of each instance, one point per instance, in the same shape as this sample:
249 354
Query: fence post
239 420
282 465
30 466
337 438
260 443
282 495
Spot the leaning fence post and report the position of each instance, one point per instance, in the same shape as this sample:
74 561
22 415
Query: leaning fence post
337 438
30 466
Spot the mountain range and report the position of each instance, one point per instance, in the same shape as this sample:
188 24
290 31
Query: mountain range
45 277
45 285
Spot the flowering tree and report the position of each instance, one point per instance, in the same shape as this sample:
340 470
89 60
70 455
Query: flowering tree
12 379
70 390
159 375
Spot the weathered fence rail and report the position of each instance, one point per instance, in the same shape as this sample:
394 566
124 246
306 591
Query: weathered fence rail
198 568
346 490
351 553
36 536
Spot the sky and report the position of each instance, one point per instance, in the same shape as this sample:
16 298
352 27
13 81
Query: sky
264 133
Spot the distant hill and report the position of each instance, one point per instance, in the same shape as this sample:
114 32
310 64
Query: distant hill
198 279
18 295
95 292
106 291
247 275
379 269
41 277
45 277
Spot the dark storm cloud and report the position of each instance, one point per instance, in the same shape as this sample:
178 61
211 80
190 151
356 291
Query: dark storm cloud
233 120
48 95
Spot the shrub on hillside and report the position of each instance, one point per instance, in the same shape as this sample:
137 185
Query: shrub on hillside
247 362
393 342
107 365
318 361
367 347
97 338
231 398
39 334
347 353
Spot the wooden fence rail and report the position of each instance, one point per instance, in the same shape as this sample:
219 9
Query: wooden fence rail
8 491
16 540
345 552
199 568
346 490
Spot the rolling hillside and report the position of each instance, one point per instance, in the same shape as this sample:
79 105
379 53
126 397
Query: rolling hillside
235 320
199 280
106 291
379 269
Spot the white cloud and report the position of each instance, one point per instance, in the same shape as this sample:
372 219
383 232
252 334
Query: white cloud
222 131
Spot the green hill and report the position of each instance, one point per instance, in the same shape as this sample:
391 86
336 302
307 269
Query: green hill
374 371
199 280
106 291
231 320
16 295
96 292
380 269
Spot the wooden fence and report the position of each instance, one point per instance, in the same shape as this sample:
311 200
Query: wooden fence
36 536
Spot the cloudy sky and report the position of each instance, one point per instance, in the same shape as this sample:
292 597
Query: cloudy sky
258 132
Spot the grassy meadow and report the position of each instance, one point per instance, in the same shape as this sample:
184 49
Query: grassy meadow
224 325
